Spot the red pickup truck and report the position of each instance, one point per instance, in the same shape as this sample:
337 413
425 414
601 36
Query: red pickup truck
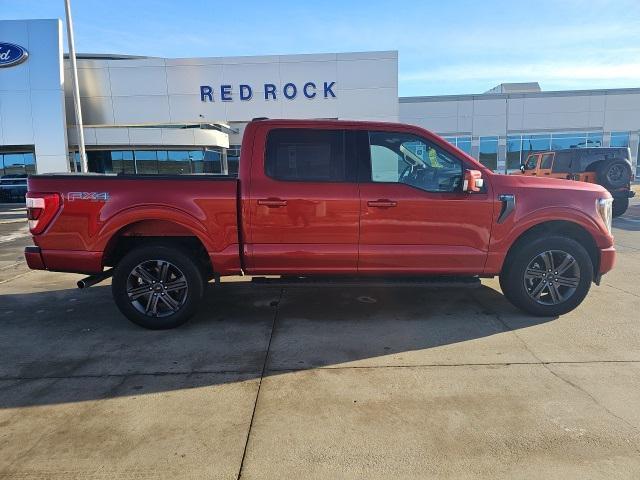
323 198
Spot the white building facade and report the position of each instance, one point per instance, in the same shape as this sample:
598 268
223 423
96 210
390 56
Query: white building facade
187 115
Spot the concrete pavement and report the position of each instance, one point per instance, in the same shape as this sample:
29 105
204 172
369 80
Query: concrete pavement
336 382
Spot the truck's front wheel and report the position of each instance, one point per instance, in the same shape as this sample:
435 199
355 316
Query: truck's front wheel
157 287
548 276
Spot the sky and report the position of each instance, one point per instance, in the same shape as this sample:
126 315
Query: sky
444 47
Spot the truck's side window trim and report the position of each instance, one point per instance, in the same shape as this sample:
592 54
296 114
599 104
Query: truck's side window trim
310 155
427 158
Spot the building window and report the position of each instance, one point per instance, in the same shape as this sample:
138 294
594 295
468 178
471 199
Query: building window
22 163
514 149
519 147
489 152
619 139
174 162
163 162
463 143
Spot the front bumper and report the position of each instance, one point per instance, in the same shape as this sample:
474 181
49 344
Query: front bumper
607 260
623 194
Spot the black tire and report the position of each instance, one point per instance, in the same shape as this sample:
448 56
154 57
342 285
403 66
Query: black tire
154 310
614 174
620 206
521 277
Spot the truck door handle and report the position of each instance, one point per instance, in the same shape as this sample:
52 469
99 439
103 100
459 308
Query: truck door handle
272 202
382 203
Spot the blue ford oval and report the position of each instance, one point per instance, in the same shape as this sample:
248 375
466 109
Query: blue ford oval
11 54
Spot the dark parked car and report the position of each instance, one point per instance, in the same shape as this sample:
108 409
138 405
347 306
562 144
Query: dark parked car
13 187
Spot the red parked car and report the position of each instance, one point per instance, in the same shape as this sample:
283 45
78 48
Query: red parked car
323 198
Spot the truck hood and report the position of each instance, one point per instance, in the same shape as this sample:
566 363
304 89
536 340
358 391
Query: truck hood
503 183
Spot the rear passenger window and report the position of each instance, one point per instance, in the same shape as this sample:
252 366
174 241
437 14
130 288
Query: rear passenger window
305 155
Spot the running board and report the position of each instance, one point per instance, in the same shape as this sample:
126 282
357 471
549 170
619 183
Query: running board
422 282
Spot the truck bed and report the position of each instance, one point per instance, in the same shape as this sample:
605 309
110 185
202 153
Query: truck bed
95 207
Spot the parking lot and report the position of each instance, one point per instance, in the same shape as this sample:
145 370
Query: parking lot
300 382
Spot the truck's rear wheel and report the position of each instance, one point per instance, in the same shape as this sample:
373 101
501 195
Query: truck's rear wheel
620 206
547 277
157 287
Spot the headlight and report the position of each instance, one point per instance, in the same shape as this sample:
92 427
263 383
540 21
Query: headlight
604 206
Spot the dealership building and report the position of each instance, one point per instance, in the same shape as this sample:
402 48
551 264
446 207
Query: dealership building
187 115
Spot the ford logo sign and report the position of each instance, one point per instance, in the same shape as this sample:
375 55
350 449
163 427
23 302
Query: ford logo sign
11 54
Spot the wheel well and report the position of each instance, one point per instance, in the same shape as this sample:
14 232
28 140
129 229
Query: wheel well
125 240
594 166
563 228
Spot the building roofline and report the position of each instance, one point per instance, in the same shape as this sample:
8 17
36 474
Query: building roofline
105 56
489 96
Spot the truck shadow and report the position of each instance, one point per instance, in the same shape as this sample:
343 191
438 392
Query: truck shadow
70 345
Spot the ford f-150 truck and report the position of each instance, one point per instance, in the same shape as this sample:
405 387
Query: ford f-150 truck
323 198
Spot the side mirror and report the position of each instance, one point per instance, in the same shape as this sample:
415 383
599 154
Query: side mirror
473 181
522 167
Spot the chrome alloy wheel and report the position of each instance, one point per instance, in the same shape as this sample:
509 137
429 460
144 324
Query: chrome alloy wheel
552 277
157 288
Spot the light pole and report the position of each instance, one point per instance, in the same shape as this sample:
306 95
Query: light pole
76 89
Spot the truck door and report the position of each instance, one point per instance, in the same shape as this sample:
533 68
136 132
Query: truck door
303 203
415 217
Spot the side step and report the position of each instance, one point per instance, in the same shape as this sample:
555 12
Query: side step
422 282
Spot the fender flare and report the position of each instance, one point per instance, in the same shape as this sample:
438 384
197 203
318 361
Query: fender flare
499 251
123 218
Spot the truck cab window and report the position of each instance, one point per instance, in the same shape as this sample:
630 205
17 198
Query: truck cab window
547 161
305 155
532 162
405 158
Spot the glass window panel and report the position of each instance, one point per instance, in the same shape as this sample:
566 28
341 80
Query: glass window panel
30 163
212 161
302 154
405 158
74 157
451 140
198 163
489 152
173 162
233 159
464 144
514 147
547 161
594 139
564 142
14 164
100 161
146 161
535 143
619 139
1 164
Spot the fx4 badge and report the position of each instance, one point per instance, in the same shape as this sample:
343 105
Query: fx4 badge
90 196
